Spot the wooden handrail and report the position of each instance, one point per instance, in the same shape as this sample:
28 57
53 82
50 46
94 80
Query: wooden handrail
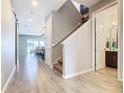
79 24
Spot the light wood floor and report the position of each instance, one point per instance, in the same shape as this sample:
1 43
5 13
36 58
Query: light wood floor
34 76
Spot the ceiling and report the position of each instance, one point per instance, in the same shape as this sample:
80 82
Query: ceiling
88 3
31 17
26 13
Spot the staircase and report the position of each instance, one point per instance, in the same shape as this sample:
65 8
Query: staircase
78 17
59 65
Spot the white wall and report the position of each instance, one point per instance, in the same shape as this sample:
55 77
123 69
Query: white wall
7 42
64 21
77 51
48 34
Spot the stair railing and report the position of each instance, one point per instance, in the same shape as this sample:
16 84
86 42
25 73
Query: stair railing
79 24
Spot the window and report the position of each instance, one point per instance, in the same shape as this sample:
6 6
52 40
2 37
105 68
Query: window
33 44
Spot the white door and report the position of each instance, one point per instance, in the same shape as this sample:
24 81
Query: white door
100 43
106 29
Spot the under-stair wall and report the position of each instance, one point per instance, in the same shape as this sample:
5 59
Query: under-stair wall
77 52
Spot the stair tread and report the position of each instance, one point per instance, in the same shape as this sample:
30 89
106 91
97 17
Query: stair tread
58 66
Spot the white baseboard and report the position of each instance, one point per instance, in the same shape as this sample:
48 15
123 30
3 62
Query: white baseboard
76 74
7 82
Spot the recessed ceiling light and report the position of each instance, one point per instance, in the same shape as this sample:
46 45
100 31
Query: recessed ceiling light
34 3
30 20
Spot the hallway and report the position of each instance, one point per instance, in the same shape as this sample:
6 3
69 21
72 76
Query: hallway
34 76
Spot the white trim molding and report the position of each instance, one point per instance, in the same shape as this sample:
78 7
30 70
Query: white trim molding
7 82
76 74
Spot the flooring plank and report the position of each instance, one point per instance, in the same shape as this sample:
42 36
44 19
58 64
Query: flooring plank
34 76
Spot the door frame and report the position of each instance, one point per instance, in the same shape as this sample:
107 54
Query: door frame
16 38
94 37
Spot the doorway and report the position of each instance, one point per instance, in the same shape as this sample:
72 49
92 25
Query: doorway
105 38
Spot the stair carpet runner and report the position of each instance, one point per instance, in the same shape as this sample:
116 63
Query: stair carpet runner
59 65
